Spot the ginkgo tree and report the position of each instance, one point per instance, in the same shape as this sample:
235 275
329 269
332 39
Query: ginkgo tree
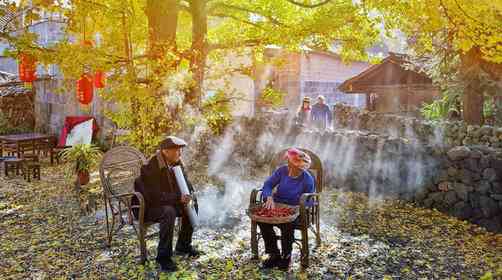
461 41
157 51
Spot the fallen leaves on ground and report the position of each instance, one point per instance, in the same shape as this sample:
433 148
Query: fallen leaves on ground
45 235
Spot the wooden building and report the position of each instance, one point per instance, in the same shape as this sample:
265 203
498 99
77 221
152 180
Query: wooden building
391 87
308 73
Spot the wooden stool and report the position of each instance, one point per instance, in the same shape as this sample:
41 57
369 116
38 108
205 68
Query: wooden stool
14 164
31 168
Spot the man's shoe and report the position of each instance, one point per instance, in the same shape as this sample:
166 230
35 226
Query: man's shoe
284 264
189 251
271 262
167 265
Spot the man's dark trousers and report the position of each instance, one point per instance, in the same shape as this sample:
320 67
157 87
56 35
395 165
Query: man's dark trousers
166 216
270 239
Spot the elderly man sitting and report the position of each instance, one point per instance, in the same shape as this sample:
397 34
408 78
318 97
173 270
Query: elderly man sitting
164 201
292 180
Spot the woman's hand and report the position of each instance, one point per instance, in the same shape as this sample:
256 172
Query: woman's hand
269 204
186 198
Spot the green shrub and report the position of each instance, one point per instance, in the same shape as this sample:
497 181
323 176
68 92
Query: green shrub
84 156
217 112
439 109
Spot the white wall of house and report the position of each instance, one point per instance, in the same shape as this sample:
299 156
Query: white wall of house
222 76
244 85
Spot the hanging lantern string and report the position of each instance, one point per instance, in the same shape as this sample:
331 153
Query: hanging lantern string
83 26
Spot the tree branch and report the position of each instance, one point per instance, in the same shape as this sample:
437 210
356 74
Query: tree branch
223 101
248 10
238 19
465 13
310 6
452 21
245 43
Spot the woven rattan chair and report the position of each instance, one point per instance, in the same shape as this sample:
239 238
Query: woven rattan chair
119 168
309 216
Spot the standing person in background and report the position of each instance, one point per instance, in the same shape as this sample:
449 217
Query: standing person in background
303 115
321 114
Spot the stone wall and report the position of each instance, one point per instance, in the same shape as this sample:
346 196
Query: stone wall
464 181
468 185
438 133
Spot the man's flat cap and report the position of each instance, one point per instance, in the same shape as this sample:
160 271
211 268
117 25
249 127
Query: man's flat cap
172 142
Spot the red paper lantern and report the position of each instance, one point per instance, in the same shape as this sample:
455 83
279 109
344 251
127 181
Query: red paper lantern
87 43
85 89
27 68
99 79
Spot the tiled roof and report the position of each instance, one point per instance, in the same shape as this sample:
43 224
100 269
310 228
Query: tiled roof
8 20
369 77
10 87
6 77
13 89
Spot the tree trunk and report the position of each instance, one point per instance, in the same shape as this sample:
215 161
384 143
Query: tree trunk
162 25
473 100
198 50
473 104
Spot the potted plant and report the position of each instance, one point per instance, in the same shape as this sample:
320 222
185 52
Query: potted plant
85 156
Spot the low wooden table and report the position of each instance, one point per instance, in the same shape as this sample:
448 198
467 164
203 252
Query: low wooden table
23 142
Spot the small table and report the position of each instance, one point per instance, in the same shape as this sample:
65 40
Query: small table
31 139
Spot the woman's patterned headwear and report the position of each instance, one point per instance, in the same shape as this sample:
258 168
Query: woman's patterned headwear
298 158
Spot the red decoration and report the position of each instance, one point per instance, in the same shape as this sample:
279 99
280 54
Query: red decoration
88 43
85 89
99 79
27 68
70 122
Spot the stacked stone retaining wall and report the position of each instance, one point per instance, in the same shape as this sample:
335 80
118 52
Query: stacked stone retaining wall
463 181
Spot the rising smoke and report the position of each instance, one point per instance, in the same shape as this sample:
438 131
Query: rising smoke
393 163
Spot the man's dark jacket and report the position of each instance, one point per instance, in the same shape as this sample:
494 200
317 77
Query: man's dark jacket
158 186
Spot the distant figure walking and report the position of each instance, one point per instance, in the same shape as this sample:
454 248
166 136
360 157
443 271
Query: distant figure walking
303 115
321 114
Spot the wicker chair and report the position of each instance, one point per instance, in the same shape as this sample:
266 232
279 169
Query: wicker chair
309 216
119 168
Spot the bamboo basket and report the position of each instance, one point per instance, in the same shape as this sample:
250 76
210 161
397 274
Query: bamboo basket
273 220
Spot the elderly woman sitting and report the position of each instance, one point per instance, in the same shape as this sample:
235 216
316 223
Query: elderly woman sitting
292 180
